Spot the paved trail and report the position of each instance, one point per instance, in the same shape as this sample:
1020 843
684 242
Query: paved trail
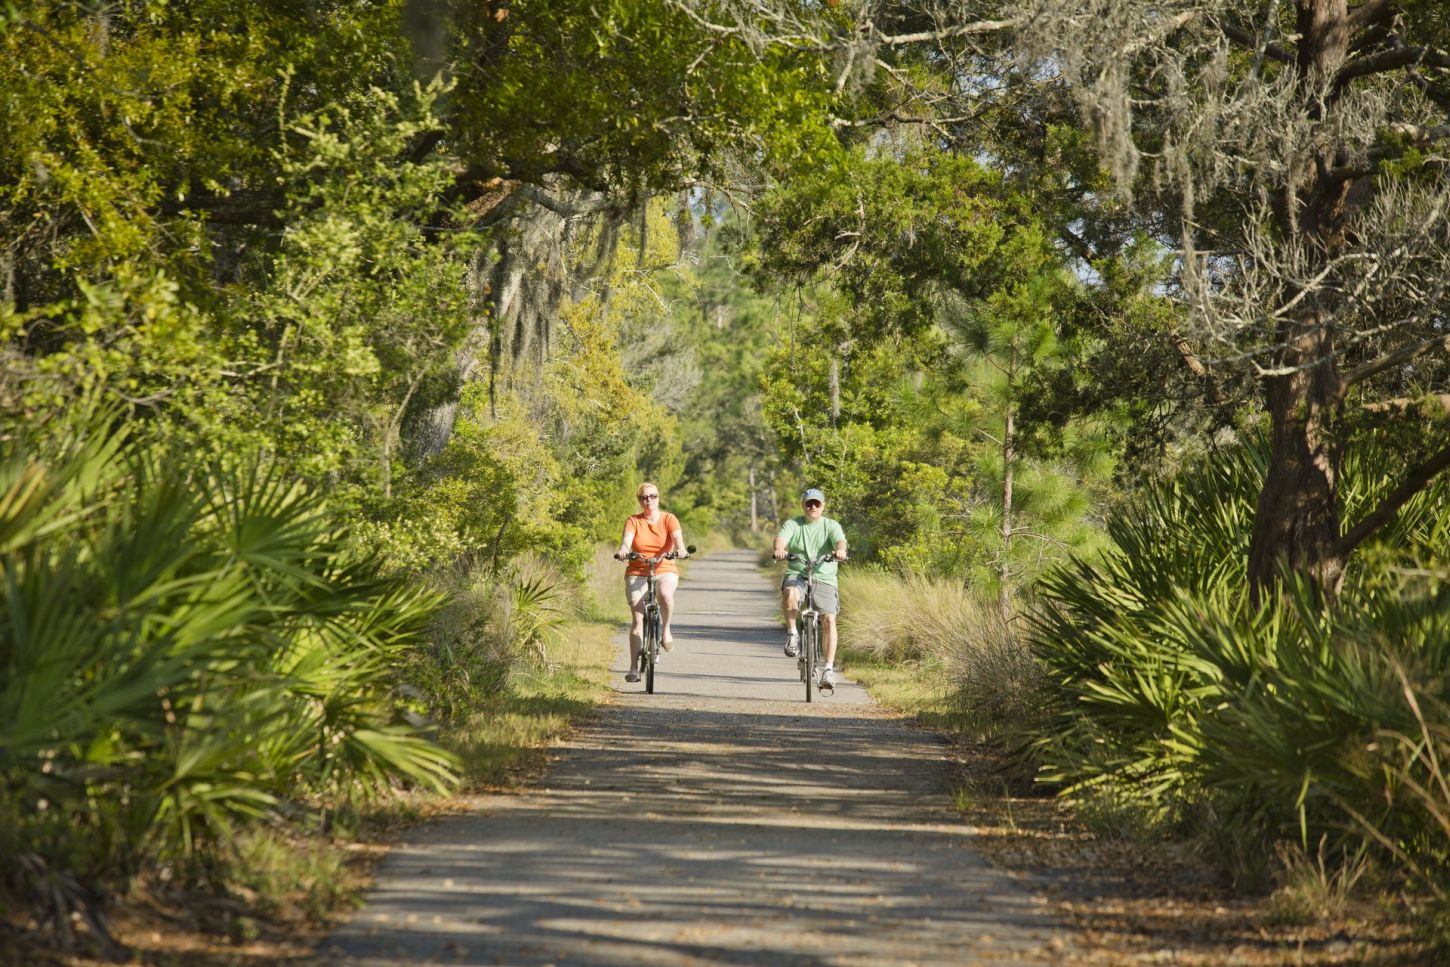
720 821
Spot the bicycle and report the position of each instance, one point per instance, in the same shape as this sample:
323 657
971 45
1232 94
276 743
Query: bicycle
654 631
812 651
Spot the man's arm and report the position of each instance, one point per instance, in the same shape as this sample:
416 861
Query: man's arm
779 552
840 542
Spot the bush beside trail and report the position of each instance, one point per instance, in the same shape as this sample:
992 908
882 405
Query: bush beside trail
1300 721
1142 686
207 689
186 654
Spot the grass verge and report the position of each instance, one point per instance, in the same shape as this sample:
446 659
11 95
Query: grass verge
916 687
542 701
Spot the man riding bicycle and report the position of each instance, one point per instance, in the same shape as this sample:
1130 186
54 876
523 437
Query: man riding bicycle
809 536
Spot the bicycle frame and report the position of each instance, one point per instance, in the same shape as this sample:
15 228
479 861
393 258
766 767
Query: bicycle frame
812 651
653 632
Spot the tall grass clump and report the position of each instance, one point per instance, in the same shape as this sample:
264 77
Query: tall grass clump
908 617
184 655
604 585
1303 720
950 637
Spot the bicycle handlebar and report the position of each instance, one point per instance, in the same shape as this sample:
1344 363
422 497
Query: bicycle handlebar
825 558
666 556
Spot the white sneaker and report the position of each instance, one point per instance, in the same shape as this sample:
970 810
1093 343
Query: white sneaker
792 645
828 678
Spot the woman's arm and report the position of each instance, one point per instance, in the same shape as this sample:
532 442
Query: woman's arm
626 541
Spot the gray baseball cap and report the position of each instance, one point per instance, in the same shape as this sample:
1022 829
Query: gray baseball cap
813 494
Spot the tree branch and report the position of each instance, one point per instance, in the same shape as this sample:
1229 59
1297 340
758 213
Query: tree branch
1370 13
895 118
565 209
1416 481
1376 366
1388 60
1419 136
1244 38
965 30
1405 404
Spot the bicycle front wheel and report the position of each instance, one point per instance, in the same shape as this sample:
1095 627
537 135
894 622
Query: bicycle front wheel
651 650
810 638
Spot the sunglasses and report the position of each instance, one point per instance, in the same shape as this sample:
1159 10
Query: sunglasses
813 503
649 496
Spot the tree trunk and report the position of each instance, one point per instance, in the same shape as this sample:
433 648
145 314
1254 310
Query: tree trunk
1004 597
835 388
1296 523
754 508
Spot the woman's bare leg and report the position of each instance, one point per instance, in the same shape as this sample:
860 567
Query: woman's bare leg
665 592
636 633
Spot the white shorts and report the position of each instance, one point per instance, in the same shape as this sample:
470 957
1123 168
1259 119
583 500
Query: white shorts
635 585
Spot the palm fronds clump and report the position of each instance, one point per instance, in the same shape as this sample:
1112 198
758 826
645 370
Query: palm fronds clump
1300 720
182 653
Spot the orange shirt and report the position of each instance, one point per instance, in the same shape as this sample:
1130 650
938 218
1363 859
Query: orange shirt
652 540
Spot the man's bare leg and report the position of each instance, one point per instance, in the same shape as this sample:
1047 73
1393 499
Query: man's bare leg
790 605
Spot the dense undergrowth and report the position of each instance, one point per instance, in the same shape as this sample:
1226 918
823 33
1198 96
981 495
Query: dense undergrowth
1301 720
207 688
186 652
1143 685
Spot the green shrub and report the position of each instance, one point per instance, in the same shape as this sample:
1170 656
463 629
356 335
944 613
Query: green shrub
182 654
491 623
1260 724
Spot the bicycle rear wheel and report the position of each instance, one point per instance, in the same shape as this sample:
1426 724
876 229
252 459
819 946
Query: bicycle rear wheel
651 649
810 638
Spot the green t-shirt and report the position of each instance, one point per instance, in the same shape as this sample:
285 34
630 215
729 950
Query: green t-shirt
812 540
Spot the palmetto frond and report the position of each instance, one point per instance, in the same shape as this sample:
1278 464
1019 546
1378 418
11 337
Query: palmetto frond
183 651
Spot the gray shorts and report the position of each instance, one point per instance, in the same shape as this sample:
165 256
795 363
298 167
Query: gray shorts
828 599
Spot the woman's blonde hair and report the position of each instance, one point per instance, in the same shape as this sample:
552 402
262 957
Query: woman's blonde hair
639 491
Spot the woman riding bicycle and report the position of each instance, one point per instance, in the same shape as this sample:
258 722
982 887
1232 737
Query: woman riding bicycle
649 533
809 536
